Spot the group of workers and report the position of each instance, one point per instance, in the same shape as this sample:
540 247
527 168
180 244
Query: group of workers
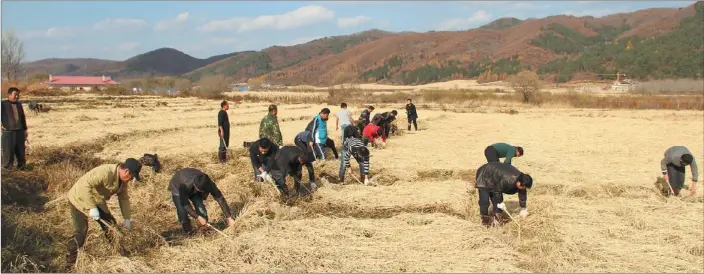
272 161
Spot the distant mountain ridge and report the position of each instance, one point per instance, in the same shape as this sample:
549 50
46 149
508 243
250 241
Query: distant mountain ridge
560 46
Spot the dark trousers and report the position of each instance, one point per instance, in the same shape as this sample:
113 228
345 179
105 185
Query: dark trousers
309 166
280 181
13 146
676 176
80 229
492 156
412 120
183 218
222 149
484 197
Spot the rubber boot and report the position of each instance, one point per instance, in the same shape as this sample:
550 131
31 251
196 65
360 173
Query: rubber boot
487 220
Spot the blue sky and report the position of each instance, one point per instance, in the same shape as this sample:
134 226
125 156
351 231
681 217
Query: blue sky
118 30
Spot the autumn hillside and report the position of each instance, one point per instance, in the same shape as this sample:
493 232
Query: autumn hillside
652 43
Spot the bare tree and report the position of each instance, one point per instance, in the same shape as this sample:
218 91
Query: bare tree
526 83
12 55
212 86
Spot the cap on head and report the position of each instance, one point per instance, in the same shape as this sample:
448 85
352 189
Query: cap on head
687 159
526 180
134 167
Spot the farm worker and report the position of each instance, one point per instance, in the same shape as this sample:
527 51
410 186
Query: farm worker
364 118
88 198
672 166
259 153
289 160
352 131
354 147
151 160
318 128
383 120
501 150
14 130
370 133
344 119
495 179
190 185
269 127
411 114
223 131
303 141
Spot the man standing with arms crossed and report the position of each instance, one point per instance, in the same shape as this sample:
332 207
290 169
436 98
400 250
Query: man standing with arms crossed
223 131
269 127
14 130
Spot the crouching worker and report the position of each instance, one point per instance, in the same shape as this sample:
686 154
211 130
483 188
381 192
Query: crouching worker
259 153
289 160
673 169
355 148
494 180
191 185
88 199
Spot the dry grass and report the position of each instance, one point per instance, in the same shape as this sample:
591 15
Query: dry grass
593 207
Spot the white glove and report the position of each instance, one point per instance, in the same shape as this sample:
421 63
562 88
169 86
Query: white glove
94 213
524 213
502 206
126 223
366 180
263 175
281 146
313 185
268 178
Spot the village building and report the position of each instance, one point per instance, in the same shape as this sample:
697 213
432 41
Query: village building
80 83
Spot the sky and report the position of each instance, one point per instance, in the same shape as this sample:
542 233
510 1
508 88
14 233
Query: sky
118 30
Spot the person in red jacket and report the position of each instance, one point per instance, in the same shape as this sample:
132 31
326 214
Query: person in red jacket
370 133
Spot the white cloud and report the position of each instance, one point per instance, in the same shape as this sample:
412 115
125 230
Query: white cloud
119 24
529 6
294 19
127 46
350 22
595 13
172 23
465 23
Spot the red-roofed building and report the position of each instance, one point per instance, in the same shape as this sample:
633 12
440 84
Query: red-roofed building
80 83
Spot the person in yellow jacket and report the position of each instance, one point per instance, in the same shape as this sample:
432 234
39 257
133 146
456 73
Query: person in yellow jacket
88 198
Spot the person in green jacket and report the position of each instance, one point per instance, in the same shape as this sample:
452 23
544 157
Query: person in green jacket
502 150
269 127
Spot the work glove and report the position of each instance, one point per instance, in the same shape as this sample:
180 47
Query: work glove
263 175
366 180
313 185
126 223
524 213
501 206
94 213
268 178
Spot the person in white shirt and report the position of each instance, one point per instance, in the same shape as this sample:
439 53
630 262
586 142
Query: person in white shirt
344 119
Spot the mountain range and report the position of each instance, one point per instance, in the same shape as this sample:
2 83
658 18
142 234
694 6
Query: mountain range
650 43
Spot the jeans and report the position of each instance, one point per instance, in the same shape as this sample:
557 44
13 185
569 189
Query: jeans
197 201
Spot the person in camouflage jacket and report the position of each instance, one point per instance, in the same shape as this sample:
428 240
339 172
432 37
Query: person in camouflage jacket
269 127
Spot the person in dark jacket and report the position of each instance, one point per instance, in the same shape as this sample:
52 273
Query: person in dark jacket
259 154
502 150
411 114
14 130
364 118
223 131
191 185
495 179
303 141
289 160
673 165
383 120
